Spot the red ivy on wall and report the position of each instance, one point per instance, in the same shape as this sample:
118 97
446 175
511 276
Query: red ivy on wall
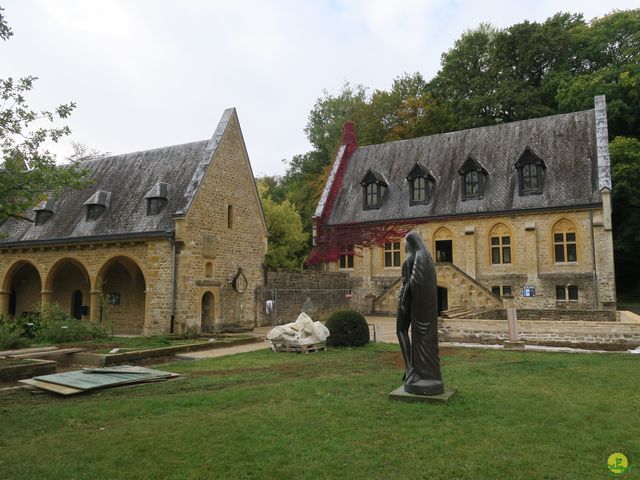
335 240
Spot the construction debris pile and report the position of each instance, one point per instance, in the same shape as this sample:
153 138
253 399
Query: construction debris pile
90 379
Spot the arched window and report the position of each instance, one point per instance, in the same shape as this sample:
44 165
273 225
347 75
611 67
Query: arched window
500 244
565 242
208 270
443 243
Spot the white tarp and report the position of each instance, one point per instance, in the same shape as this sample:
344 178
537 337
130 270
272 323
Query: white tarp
303 331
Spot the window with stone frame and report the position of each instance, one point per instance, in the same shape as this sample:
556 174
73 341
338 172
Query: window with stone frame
392 254
501 291
474 179
566 293
531 173
565 242
500 245
345 261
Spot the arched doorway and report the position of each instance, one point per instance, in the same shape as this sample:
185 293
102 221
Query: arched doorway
207 313
68 282
76 305
443 243
25 287
123 296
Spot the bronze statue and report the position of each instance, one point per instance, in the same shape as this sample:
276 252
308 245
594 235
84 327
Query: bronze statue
418 308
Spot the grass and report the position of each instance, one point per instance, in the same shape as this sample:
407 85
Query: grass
263 415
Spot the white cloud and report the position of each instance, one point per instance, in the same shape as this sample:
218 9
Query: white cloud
147 73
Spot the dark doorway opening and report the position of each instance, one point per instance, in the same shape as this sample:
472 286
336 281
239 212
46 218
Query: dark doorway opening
76 305
12 303
444 251
443 300
206 315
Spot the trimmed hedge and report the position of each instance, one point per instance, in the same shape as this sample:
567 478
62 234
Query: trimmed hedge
348 329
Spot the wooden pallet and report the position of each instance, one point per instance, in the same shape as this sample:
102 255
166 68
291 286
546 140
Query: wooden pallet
312 348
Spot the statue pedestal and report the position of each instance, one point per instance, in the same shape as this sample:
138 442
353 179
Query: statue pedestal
400 394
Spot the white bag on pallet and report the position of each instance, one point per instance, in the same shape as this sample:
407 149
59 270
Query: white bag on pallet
303 331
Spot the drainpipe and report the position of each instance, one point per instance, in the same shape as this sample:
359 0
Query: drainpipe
174 282
594 272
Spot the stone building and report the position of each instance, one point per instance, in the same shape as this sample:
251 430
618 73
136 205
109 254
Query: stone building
521 208
162 240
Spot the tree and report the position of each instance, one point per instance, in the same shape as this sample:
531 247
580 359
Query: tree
287 239
28 171
84 153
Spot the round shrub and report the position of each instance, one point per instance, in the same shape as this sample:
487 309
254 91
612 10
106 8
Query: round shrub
348 329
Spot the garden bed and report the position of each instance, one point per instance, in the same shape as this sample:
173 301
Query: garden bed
101 358
12 369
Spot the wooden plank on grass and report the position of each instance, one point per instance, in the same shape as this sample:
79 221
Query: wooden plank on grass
51 387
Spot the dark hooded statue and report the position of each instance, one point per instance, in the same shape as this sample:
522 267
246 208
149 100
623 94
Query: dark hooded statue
418 309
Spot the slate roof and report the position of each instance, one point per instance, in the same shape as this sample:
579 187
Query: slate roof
566 143
128 177
125 180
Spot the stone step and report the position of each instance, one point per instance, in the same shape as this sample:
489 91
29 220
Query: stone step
47 353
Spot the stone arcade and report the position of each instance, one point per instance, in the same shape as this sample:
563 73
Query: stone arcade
154 244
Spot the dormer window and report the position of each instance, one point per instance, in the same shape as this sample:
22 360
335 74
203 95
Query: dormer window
474 179
530 169
374 186
157 198
97 204
420 185
45 210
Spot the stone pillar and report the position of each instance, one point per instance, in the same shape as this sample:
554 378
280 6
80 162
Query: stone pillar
470 250
530 251
514 342
4 302
46 300
94 307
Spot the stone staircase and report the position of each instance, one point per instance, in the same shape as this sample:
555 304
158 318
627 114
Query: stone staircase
466 296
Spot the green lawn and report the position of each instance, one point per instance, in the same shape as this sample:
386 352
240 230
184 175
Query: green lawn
326 415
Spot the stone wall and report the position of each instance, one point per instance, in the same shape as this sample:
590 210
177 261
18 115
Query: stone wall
578 334
222 231
553 315
532 258
291 288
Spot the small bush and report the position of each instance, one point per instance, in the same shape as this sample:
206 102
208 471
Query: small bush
58 327
348 329
10 337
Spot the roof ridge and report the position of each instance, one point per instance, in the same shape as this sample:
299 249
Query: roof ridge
455 132
138 152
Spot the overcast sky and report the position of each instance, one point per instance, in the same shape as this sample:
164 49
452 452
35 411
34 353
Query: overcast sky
150 73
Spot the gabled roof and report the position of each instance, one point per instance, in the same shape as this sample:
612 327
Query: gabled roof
420 170
566 143
472 165
129 178
529 156
373 176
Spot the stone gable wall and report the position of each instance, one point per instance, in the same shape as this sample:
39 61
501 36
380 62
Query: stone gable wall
207 238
